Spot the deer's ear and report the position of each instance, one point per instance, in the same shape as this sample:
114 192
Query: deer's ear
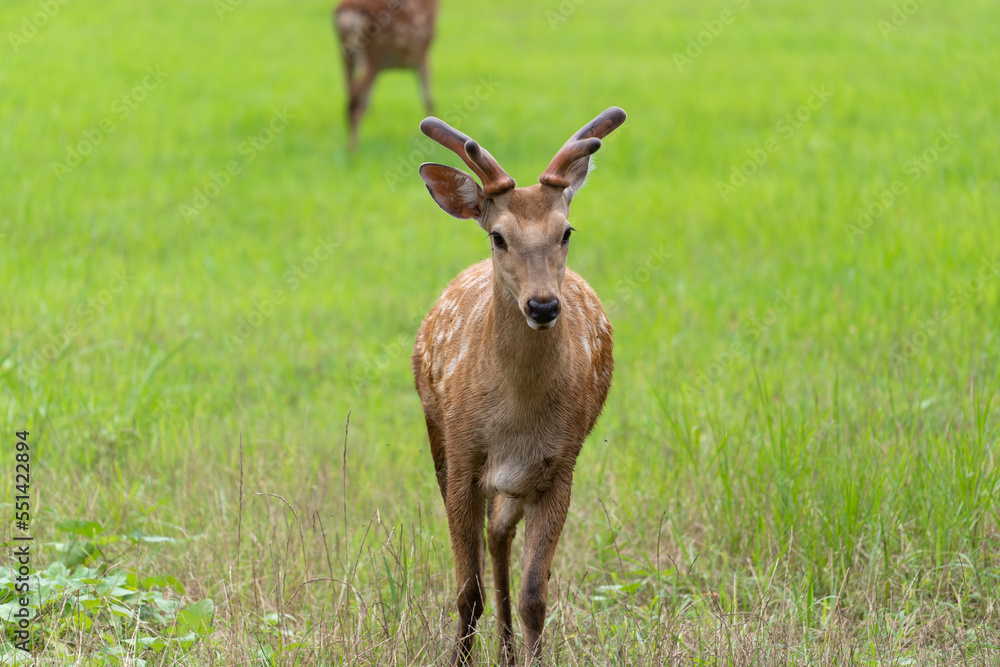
578 176
454 190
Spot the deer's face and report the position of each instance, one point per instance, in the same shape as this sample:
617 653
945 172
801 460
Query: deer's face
528 227
529 233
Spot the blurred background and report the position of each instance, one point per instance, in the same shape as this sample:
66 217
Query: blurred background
206 297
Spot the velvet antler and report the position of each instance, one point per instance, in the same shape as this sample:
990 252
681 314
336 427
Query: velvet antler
581 145
495 180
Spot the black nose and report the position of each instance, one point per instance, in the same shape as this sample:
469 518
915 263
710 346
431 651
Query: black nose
543 313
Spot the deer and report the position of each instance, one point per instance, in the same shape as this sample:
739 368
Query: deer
377 35
512 365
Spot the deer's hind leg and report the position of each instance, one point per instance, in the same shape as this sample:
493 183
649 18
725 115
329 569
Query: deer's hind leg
425 85
360 90
504 513
436 438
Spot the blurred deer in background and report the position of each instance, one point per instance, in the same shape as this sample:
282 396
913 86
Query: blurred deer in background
512 366
382 34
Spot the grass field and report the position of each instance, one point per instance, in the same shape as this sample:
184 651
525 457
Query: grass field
208 308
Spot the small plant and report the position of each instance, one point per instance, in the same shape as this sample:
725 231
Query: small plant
79 606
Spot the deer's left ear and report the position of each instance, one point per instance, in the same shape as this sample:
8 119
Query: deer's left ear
454 190
578 176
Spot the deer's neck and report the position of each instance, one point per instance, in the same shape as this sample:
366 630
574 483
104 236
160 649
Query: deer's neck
527 359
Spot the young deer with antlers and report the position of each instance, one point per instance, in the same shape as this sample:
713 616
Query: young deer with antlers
377 35
512 366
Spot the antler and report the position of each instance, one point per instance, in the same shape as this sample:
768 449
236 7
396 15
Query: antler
495 179
581 145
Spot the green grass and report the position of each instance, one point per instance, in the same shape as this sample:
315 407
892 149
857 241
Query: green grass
797 463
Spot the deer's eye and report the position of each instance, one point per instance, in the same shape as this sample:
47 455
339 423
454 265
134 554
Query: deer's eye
498 241
569 231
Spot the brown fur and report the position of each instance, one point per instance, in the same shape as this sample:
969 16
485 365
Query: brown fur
508 406
382 34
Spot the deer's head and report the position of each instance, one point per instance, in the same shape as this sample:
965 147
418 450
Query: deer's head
528 227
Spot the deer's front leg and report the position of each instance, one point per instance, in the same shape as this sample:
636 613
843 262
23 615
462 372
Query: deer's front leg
544 521
465 508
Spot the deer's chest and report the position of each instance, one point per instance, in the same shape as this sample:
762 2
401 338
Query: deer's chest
518 472
524 462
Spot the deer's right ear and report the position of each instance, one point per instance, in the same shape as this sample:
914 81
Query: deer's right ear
454 190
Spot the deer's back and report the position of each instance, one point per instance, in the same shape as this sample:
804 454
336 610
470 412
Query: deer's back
395 32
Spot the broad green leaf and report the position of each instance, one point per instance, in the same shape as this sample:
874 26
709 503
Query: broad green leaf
196 617
82 528
8 610
161 580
